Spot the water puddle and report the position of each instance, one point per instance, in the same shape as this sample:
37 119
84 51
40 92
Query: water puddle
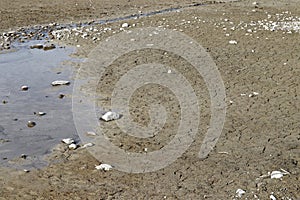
35 68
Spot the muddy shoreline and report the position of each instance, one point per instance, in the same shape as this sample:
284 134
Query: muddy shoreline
255 47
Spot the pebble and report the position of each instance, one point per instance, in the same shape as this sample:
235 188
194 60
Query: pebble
60 82
68 141
232 42
37 46
90 133
87 145
24 88
72 146
109 116
239 192
31 124
49 47
125 25
276 174
105 167
41 113
61 96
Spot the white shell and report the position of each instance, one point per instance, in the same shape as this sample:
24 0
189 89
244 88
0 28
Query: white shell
72 146
109 116
276 174
105 167
240 192
60 82
68 141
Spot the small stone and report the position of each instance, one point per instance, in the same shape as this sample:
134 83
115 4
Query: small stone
49 47
61 96
105 167
90 133
60 82
37 46
72 146
41 113
31 124
125 25
68 141
276 174
24 156
109 116
24 88
239 193
4 102
232 42
87 145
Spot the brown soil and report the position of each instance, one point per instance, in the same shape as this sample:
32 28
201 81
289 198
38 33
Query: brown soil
261 134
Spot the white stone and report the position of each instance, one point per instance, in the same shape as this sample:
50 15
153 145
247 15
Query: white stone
125 25
105 167
87 145
232 42
68 140
109 116
60 82
239 192
276 174
72 146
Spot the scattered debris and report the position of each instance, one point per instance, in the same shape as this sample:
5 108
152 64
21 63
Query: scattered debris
105 167
109 116
239 193
31 124
60 82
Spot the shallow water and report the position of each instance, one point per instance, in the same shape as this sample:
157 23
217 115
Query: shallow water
37 69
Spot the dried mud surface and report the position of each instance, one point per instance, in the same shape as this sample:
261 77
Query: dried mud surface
260 135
